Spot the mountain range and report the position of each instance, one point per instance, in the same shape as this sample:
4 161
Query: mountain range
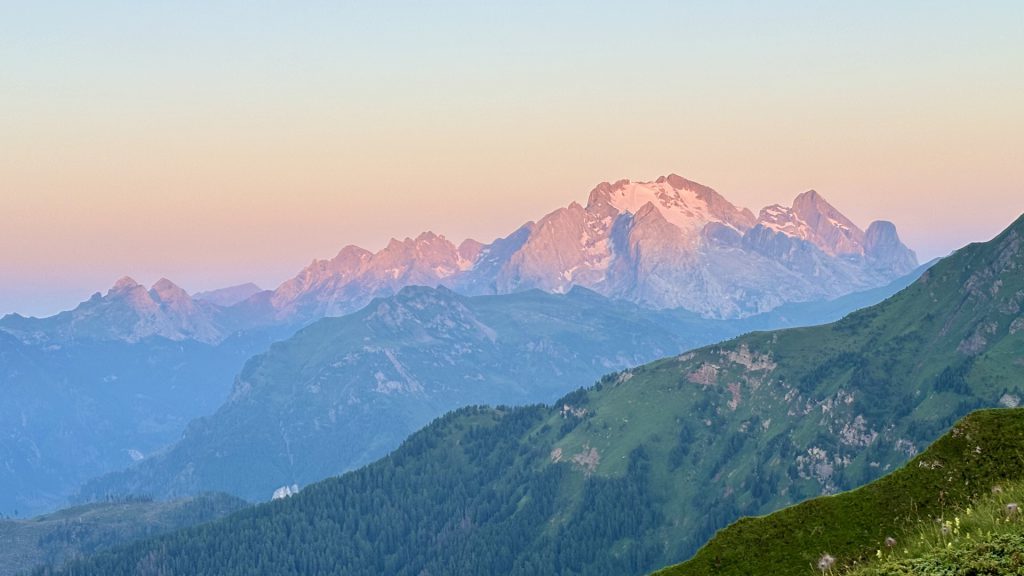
129 312
101 375
128 368
345 391
638 471
125 401
669 243
666 244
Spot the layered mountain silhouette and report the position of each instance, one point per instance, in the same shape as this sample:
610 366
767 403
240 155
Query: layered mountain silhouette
640 470
669 243
345 391
117 365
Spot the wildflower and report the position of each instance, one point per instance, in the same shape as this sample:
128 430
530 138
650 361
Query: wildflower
826 562
890 541
878 553
968 511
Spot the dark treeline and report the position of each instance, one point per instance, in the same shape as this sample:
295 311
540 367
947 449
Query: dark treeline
483 508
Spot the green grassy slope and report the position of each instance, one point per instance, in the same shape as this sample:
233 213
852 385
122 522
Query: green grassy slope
768 419
981 451
639 471
985 537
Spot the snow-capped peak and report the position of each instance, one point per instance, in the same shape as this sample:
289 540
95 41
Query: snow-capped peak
813 219
782 219
685 204
834 233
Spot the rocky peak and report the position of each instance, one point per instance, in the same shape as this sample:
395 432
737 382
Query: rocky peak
395 245
352 254
168 292
601 193
346 263
425 244
427 251
829 229
685 204
880 233
127 292
123 285
679 183
783 219
470 250
882 244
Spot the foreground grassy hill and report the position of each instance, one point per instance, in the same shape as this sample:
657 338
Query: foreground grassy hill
989 540
639 471
84 530
982 451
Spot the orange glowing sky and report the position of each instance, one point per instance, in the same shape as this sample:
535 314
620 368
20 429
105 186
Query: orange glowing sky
222 145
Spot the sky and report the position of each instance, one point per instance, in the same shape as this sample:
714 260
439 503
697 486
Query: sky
216 143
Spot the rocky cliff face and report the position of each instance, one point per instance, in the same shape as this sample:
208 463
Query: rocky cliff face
882 246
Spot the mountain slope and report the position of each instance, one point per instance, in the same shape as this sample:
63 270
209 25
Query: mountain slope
981 451
76 409
344 391
93 389
374 377
639 471
126 400
663 244
86 530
